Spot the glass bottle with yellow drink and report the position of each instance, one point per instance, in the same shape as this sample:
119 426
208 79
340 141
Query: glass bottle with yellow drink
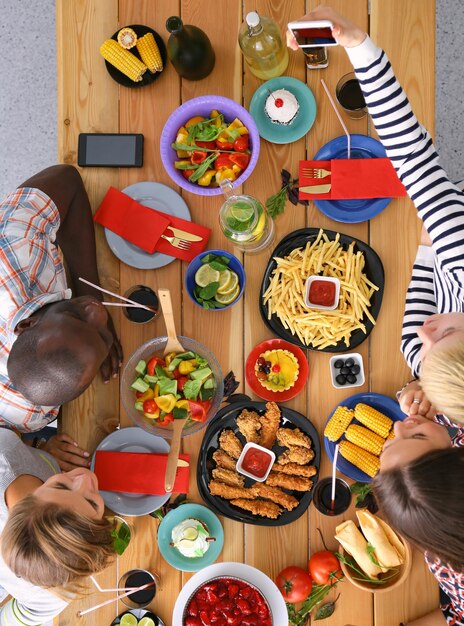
262 46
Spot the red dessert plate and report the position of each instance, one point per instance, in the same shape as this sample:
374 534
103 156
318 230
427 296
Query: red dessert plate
277 396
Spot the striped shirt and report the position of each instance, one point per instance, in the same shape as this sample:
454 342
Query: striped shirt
437 282
31 275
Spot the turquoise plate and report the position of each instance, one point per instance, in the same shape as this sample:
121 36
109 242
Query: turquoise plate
299 126
174 517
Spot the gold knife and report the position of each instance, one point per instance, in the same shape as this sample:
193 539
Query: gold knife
182 234
182 463
316 189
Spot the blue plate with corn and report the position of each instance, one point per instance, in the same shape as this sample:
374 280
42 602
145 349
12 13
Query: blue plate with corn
361 424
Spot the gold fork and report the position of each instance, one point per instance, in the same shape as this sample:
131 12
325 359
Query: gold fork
182 244
314 172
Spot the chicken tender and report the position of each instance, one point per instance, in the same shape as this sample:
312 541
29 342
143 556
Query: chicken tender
294 483
229 477
229 492
275 495
296 454
293 437
269 424
230 443
294 469
222 459
259 507
249 425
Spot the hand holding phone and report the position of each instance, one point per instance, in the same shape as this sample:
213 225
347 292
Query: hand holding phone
313 33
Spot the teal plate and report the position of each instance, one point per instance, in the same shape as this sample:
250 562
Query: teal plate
299 126
172 555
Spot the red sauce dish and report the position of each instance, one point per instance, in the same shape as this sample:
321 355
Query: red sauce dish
227 600
322 292
255 462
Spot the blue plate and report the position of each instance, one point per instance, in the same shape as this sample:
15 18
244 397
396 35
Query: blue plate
299 126
172 555
382 403
351 211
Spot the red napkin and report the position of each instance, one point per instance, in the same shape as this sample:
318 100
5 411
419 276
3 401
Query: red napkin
138 472
143 226
354 179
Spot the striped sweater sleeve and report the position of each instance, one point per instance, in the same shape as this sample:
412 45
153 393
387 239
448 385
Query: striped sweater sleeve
439 203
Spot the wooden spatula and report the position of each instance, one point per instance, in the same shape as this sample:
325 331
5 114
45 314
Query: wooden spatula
172 345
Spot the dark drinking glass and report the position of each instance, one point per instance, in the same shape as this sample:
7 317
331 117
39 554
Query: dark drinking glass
138 578
322 496
141 295
350 96
189 50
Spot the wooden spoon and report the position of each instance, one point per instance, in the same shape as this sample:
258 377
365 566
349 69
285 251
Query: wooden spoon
172 345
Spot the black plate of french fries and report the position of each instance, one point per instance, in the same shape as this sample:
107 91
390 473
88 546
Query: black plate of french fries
312 251
227 492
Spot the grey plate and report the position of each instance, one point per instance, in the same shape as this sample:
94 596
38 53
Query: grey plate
139 613
154 196
132 439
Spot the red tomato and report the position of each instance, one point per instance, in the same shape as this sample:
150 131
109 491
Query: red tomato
138 394
181 382
197 411
165 419
206 144
187 173
294 583
240 159
224 145
324 568
241 143
150 407
152 363
223 160
198 157
176 373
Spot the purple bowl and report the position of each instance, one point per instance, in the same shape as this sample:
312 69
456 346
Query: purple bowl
203 106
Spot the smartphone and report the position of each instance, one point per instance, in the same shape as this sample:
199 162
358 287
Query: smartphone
110 150
311 34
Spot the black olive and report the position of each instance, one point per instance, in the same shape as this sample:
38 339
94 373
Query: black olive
351 379
341 380
345 370
349 362
355 369
338 364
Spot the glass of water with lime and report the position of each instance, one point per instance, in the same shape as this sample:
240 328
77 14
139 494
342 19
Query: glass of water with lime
244 221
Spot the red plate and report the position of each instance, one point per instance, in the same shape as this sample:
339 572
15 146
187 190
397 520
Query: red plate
277 396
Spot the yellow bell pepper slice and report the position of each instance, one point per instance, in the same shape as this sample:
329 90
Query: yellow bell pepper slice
185 367
183 404
217 122
152 416
166 403
168 358
225 173
243 130
205 180
148 395
235 124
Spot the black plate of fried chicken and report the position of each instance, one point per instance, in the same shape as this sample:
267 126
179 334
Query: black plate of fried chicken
287 492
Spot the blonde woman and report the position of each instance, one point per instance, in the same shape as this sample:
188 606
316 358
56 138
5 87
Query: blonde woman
53 532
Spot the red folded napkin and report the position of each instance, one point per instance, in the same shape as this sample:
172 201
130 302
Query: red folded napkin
354 179
138 472
144 226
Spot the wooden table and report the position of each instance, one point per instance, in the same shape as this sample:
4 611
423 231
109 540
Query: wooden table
90 101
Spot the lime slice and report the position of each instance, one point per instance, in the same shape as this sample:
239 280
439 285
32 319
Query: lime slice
224 280
191 534
129 620
146 621
227 298
185 543
230 286
241 212
206 275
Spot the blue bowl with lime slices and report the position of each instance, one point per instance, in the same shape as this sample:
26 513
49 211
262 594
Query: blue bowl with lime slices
215 280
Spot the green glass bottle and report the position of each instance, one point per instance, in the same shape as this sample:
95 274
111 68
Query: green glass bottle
189 50
262 46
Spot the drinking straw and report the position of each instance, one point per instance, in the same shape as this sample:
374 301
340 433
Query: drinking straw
334 472
128 306
348 138
95 582
116 295
98 606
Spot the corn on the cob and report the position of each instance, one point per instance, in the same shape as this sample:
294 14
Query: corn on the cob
364 460
123 60
365 438
373 419
149 52
127 38
391 434
338 423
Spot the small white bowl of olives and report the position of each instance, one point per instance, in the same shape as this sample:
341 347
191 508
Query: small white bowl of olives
347 370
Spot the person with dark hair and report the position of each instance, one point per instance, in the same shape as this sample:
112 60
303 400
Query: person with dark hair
51 344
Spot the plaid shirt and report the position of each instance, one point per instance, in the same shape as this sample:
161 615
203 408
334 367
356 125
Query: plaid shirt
31 275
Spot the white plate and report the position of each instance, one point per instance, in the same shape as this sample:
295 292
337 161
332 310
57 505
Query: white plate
154 196
133 439
240 570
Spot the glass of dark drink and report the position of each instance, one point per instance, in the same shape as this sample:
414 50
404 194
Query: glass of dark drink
138 578
142 295
322 496
350 96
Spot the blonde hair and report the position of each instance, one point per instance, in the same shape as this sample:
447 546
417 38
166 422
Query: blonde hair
54 547
442 379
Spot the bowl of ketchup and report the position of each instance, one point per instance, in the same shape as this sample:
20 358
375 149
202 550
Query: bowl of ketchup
322 292
255 461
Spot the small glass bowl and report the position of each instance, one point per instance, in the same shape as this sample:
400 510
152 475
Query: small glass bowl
255 446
